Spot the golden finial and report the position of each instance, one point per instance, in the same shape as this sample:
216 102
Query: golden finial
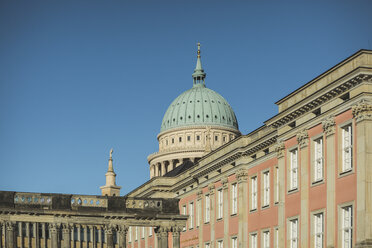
111 151
198 49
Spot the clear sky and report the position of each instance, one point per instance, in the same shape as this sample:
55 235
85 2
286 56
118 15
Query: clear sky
80 77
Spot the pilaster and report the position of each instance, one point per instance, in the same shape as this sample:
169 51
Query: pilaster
362 113
242 176
212 220
109 236
54 228
199 206
280 154
225 188
303 142
329 127
176 236
123 230
66 232
11 241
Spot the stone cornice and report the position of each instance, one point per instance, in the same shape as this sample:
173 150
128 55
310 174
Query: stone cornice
362 110
303 107
188 128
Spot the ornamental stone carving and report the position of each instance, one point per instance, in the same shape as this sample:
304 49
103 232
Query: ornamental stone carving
303 138
362 111
329 125
10 226
122 229
279 149
200 194
109 229
242 175
211 188
177 229
54 227
225 182
66 228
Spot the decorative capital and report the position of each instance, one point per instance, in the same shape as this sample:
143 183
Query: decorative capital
177 229
303 138
242 175
54 227
279 149
329 125
10 226
122 229
211 188
109 229
66 228
225 183
200 194
362 110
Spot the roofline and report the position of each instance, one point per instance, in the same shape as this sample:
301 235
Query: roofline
323 75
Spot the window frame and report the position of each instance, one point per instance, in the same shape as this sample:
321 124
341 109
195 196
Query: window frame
263 240
342 168
234 198
316 160
314 232
219 204
290 238
292 169
341 218
253 192
207 208
265 182
191 215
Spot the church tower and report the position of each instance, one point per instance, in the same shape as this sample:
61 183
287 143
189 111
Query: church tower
110 189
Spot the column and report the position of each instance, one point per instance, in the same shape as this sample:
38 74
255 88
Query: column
79 236
225 188
123 236
20 232
43 235
151 171
162 235
85 236
28 234
280 154
93 235
11 242
100 236
176 236
170 165
1 234
212 221
72 236
66 232
36 234
362 113
330 165
163 168
199 207
242 176
109 236
54 229
303 142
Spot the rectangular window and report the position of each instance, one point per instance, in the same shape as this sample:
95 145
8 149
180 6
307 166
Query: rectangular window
207 245
143 232
130 234
207 209
266 188
220 204
276 184
347 148
293 233
188 138
318 230
136 233
293 174
150 231
234 242
266 239
234 198
318 159
347 226
254 193
220 244
254 240
198 210
276 237
191 215
180 139
197 137
184 212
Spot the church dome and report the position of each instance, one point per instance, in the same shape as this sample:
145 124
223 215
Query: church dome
199 106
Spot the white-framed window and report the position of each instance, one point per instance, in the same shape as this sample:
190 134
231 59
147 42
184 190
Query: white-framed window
130 234
234 242
293 173
276 237
219 204
266 239
347 226
266 188
184 212
220 244
136 233
254 193
207 213
293 233
143 233
234 199
318 159
276 184
191 215
150 231
318 230
198 214
207 245
254 240
347 148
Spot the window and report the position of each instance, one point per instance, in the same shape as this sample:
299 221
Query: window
276 237
347 226
234 199
276 184
166 142
318 160
254 193
293 233
234 242
197 137
207 245
191 214
180 139
150 231
172 141
220 244
318 230
207 209
216 138
188 138
254 240
184 212
198 209
136 233
143 233
293 170
220 204
266 239
224 139
130 234
347 148
266 188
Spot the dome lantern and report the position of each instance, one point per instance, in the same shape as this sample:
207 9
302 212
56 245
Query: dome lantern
199 74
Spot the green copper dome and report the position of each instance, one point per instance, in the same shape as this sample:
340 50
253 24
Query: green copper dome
199 106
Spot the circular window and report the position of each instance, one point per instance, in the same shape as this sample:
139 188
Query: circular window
205 100
198 116
189 116
190 101
181 118
207 116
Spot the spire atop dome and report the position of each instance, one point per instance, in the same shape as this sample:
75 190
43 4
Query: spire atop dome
199 74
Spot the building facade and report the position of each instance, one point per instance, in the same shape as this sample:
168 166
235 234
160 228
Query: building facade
303 179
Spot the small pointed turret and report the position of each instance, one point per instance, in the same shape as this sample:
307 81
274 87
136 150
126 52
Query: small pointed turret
110 189
199 74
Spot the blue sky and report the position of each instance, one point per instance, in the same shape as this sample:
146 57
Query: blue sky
80 77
